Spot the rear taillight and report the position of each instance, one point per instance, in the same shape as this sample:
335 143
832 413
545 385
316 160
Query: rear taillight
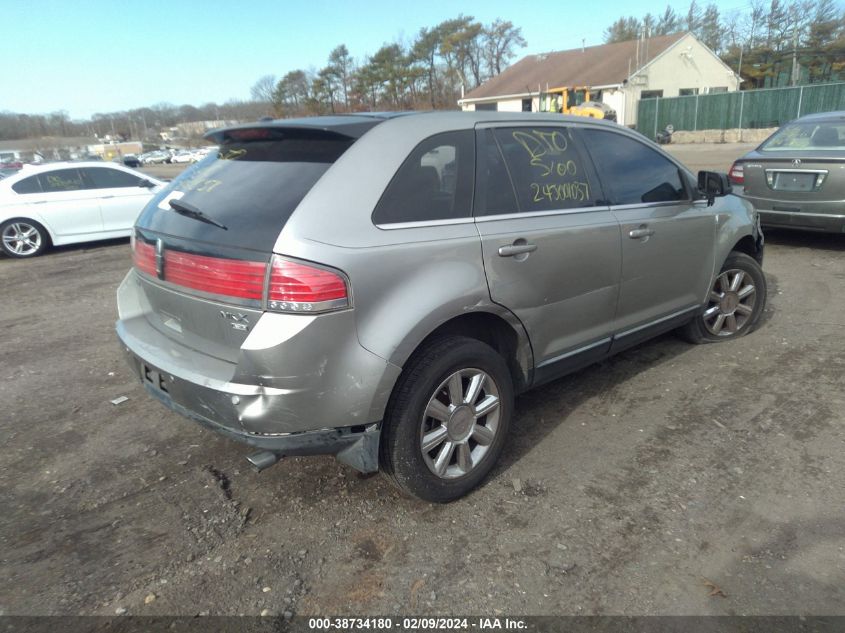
737 174
228 277
291 287
143 256
298 287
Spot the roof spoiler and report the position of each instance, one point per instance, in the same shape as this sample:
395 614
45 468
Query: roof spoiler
351 126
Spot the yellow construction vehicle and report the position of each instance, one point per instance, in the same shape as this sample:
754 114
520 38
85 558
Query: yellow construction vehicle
575 100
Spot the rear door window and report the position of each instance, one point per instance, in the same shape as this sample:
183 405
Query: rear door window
547 169
62 180
632 172
434 182
251 185
494 189
27 185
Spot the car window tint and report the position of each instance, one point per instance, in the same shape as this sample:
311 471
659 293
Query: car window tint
494 189
252 185
632 172
434 182
27 185
106 178
547 170
62 180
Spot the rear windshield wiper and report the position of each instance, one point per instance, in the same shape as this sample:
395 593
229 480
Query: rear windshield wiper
190 211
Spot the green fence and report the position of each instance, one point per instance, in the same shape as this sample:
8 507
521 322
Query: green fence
745 109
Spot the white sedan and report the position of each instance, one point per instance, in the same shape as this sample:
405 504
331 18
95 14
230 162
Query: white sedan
183 156
65 203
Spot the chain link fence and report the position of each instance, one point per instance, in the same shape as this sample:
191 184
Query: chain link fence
746 109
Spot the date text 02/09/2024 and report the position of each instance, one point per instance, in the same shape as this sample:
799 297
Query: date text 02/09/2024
415 624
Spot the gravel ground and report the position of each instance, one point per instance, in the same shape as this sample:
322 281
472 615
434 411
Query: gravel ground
672 479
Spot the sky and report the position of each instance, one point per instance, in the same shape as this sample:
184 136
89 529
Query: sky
87 56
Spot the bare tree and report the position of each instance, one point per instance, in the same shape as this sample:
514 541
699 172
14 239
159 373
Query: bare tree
501 39
262 90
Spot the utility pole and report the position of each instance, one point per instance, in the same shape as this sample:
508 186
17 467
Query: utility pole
794 48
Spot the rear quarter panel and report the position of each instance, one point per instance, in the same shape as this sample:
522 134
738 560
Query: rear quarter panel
405 281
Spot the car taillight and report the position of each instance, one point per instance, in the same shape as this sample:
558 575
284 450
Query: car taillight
737 174
143 256
227 277
298 287
291 287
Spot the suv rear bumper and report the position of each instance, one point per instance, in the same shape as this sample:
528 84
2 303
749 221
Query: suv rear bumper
271 398
825 222
356 446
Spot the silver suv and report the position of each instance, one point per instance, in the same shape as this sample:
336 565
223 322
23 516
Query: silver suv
379 287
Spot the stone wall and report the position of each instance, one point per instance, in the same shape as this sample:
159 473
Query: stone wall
734 135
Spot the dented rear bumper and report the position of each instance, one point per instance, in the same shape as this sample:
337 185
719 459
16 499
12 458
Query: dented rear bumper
300 386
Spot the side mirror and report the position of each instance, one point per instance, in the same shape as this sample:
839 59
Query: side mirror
149 184
713 184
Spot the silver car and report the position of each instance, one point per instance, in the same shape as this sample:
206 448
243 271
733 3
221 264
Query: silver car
380 287
796 178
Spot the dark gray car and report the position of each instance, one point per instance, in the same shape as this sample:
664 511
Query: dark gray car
380 287
796 178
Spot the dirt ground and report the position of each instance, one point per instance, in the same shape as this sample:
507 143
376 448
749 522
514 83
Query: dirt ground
672 479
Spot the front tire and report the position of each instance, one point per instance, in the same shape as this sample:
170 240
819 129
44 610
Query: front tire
22 238
447 419
735 302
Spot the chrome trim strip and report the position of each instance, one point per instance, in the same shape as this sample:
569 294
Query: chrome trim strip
752 198
424 224
668 317
566 355
208 296
800 171
799 214
651 205
538 214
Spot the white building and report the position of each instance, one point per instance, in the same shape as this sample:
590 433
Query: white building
618 74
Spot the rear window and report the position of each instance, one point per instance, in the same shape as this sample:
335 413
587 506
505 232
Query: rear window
434 182
27 185
62 180
817 135
251 185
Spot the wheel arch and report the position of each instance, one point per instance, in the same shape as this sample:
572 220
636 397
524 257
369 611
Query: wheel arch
748 245
51 240
502 331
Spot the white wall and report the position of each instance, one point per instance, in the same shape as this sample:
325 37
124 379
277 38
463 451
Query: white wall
506 105
615 98
687 64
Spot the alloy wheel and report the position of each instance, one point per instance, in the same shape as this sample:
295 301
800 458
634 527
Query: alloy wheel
460 423
22 239
731 303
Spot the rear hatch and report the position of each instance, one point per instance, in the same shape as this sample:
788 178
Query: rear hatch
202 247
801 168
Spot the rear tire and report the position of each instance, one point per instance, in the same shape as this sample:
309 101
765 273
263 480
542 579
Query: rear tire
735 302
23 238
447 419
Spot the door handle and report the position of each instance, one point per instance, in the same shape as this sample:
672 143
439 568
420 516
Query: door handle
516 249
106 197
640 232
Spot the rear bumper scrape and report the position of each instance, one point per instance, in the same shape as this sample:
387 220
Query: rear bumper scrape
354 446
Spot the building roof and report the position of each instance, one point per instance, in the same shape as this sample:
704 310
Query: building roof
606 65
